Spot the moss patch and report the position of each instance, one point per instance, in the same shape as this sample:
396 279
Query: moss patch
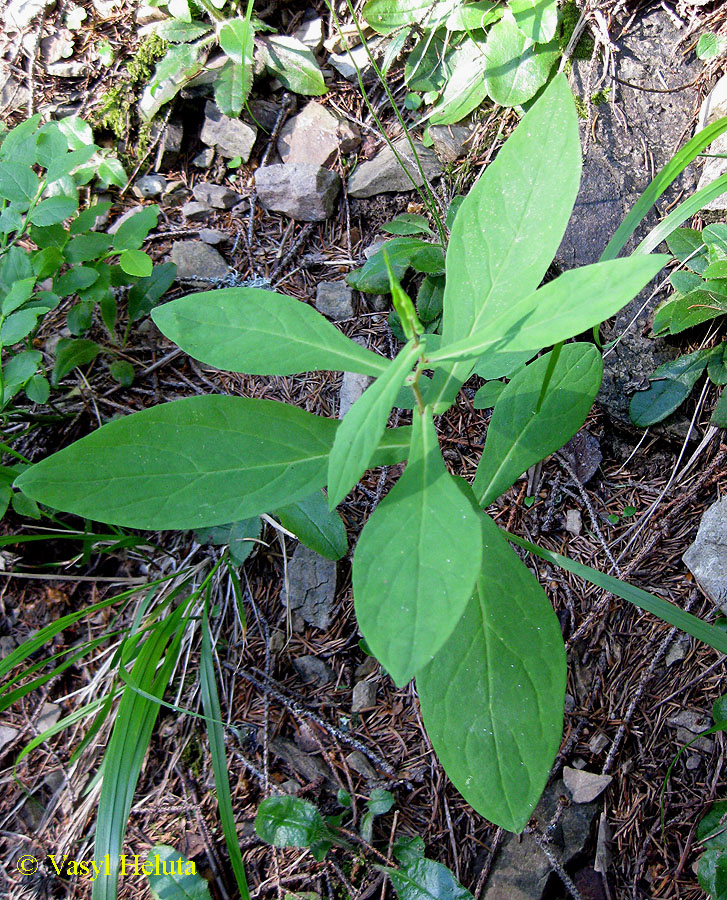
569 16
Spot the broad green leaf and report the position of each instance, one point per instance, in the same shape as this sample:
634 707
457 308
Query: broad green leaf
690 310
385 16
717 364
17 371
717 269
76 279
17 326
122 371
293 64
231 89
53 211
500 364
37 390
71 163
17 295
407 224
487 396
492 698
686 245
670 386
189 463
710 46
18 183
536 19
69 354
521 434
430 299
425 69
234 82
712 830
87 218
465 88
315 525
18 144
236 39
136 262
712 873
474 16
514 69
146 292
80 318
292 822
425 879
715 236
78 133
509 227
402 253
10 220
416 560
216 738
133 232
261 333
360 431
572 303
86 247
172 876
177 32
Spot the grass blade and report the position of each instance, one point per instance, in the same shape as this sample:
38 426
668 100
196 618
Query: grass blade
215 733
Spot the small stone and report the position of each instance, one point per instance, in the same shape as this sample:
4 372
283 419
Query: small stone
49 715
688 725
583 452
694 761
204 159
105 8
707 557
677 651
310 33
265 112
7 734
367 667
585 786
217 195
579 763
334 299
310 767
360 764
175 194
573 521
67 69
124 218
570 703
150 186
7 645
54 780
313 670
303 192
57 46
198 262
20 13
170 143
194 211
315 135
145 15
449 141
598 743
13 94
343 63
212 236
311 587
277 640
374 247
383 174
364 696
290 787
713 108
352 386
230 137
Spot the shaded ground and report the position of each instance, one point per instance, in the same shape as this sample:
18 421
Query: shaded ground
625 681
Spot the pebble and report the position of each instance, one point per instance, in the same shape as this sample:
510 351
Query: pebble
204 159
334 299
384 174
193 211
585 786
364 696
352 386
304 192
197 261
150 186
230 137
315 135
218 196
313 670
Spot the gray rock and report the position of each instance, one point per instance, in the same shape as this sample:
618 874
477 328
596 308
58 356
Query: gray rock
334 299
707 557
573 521
583 453
230 137
360 764
204 159
7 645
212 236
266 112
217 195
364 696
303 192
313 670
170 143
342 62
688 725
315 135
383 174
290 787
713 108
598 743
57 46
20 13
150 186
145 14
311 586
50 713
693 762
367 667
615 172
585 786
521 871
677 650
13 94
352 386
310 767
70 69
449 141
7 734
175 194
310 33
198 262
194 211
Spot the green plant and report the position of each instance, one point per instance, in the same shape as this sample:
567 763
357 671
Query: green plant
41 170
243 40
710 46
439 593
700 295
286 821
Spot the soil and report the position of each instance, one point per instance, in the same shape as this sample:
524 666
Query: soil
625 681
